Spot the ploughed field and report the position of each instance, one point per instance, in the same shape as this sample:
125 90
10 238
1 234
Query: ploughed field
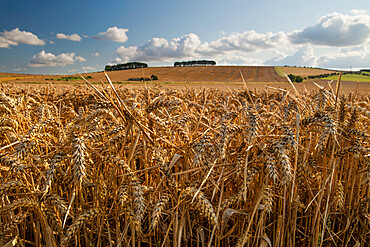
183 167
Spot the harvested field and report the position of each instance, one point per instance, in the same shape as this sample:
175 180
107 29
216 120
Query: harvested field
183 167
207 74
304 72
9 77
197 74
12 75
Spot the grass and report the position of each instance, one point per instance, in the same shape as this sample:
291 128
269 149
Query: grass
68 78
279 71
351 77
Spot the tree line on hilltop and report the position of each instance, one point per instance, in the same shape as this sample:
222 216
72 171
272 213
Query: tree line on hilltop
135 65
123 66
195 63
361 72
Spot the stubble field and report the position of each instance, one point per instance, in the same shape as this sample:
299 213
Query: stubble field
197 74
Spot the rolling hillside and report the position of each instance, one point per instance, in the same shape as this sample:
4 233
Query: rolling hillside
304 71
221 77
196 74
205 74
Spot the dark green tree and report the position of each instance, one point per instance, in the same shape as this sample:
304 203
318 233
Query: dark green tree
291 77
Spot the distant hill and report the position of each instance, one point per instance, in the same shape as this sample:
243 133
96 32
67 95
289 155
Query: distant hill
196 74
304 72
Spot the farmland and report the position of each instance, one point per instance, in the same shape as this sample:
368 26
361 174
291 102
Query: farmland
172 166
198 74
364 77
220 77
16 77
304 72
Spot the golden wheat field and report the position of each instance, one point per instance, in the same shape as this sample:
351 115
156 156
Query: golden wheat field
96 166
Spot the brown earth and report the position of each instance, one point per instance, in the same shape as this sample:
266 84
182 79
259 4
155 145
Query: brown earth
306 71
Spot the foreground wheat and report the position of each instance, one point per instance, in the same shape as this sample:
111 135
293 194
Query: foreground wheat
159 167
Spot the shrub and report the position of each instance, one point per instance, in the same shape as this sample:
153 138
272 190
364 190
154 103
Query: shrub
298 79
295 78
291 77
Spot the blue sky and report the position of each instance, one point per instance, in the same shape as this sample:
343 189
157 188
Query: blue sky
50 37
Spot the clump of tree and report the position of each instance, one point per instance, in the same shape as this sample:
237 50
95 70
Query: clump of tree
195 63
139 79
72 78
361 72
152 78
68 78
322 75
124 66
295 78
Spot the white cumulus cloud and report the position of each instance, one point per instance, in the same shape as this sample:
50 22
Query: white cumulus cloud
80 59
237 59
19 69
72 37
336 29
5 43
337 58
356 57
304 56
249 41
44 59
88 68
190 46
296 47
16 36
114 34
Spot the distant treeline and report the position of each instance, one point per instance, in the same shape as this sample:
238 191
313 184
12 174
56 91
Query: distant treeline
195 63
321 76
139 79
152 78
68 78
123 66
361 72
